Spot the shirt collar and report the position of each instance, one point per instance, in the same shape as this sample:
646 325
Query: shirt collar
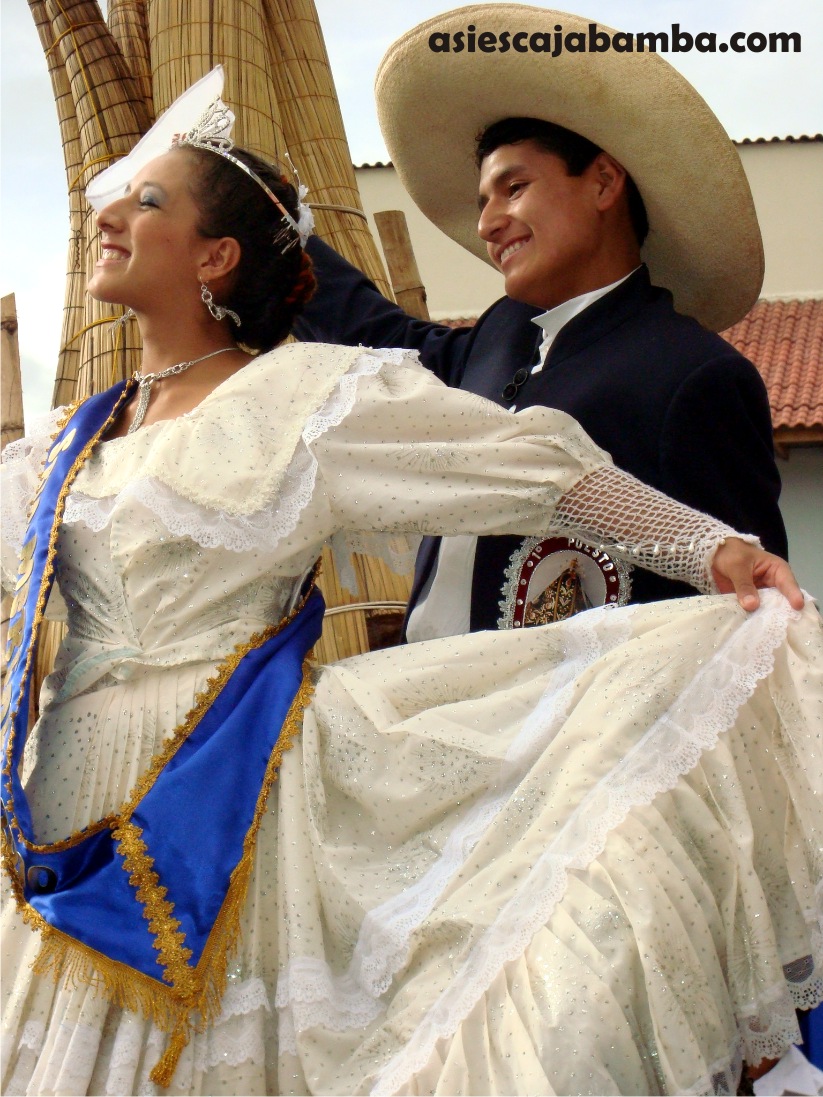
554 319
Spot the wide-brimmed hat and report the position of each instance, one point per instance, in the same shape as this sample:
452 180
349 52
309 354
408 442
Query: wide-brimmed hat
704 241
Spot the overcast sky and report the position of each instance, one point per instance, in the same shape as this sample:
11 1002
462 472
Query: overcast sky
753 94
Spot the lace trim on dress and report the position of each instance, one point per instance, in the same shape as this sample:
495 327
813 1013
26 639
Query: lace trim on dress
22 462
308 993
634 522
262 529
237 1036
33 1036
670 748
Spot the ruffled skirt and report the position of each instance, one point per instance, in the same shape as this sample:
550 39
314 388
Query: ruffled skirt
584 858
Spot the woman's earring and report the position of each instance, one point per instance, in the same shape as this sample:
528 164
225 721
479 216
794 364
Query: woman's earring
217 311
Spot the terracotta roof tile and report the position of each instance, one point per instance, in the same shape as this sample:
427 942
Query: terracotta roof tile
784 339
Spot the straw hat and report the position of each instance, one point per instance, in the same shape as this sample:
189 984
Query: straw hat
704 241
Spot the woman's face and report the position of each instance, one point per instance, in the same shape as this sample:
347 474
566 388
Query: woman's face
150 247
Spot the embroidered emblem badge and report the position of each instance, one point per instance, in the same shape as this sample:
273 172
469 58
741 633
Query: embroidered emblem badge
553 578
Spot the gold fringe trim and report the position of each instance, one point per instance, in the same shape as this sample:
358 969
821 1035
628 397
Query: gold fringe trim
72 963
195 999
188 998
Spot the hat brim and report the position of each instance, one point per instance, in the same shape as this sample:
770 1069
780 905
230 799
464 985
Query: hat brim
704 241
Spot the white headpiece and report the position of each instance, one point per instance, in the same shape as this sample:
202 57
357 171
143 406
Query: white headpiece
200 118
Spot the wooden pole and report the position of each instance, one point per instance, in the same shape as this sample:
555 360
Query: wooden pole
12 410
12 388
406 282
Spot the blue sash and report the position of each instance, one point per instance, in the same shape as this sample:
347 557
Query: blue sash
148 901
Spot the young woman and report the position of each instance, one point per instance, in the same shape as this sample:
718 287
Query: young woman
576 858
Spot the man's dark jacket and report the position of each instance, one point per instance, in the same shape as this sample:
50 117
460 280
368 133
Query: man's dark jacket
674 404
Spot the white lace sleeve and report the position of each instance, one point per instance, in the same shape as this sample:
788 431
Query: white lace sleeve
637 523
21 464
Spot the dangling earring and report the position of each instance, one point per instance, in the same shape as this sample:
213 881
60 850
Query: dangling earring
217 311
117 326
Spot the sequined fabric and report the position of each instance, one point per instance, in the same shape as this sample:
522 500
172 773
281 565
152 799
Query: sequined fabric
574 859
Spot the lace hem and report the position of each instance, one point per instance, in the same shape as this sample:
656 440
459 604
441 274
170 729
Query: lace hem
634 522
308 992
237 1038
670 748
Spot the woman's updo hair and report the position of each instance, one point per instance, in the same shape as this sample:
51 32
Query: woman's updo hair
270 286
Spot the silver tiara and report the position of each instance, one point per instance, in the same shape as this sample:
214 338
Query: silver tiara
212 131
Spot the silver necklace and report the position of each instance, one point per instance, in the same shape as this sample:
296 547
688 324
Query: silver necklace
146 380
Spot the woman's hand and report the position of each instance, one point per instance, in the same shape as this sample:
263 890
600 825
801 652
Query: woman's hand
742 568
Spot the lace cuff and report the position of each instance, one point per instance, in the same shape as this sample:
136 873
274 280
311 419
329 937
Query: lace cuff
636 523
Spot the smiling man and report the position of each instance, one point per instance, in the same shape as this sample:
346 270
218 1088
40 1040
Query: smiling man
617 209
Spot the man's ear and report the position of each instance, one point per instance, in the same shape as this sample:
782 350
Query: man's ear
610 179
220 258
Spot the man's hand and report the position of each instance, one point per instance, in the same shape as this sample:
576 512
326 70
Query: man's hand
742 568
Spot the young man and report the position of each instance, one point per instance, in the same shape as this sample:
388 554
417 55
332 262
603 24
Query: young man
615 284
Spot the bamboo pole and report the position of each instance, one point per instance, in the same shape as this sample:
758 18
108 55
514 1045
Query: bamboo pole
407 284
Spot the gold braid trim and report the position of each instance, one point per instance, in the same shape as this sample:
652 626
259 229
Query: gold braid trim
225 933
194 997
40 609
62 957
157 909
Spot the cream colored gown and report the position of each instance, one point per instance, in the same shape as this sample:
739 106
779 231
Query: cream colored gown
583 858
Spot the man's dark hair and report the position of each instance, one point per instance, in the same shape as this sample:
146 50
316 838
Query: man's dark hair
575 151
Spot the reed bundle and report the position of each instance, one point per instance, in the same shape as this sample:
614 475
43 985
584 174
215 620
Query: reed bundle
315 134
187 38
128 23
70 354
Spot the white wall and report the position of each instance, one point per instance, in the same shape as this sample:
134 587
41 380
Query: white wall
801 503
457 282
786 179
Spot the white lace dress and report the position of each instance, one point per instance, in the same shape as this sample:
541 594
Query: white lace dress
583 858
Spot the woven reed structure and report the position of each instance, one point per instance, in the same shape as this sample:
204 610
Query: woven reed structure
110 80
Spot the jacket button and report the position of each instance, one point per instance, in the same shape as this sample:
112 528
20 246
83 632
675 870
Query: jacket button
41 880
